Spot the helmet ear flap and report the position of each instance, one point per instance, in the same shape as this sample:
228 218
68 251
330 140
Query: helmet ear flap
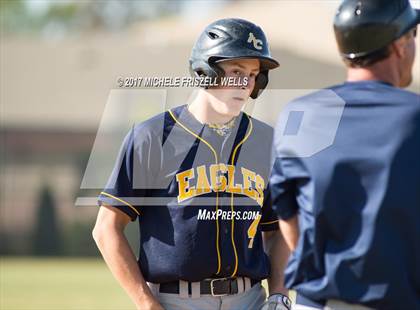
261 82
219 72
202 68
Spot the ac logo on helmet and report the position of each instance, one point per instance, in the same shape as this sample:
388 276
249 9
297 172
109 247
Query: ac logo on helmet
257 43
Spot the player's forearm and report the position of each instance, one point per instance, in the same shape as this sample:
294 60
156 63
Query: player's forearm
290 231
278 254
120 259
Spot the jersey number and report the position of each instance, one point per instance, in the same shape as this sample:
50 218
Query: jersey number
252 231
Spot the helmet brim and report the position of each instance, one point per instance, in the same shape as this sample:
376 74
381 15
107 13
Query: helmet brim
416 21
411 25
266 63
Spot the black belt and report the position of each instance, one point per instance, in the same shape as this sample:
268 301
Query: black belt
214 287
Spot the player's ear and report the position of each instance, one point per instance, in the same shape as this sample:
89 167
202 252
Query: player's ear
399 47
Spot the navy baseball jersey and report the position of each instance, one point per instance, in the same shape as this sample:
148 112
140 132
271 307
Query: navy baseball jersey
357 199
201 199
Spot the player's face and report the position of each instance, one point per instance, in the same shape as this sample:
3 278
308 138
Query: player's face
408 60
229 100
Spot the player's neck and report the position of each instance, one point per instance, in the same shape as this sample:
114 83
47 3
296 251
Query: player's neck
374 73
202 110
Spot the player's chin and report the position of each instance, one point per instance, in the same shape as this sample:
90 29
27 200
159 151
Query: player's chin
234 105
407 81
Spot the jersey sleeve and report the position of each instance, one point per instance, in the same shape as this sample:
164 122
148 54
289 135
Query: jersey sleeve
282 192
269 220
125 190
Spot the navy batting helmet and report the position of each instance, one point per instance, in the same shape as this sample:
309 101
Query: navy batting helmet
363 27
232 38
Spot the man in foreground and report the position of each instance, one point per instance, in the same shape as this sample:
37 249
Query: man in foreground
351 211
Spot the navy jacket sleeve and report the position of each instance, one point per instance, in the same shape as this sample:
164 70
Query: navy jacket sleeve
283 191
269 220
121 190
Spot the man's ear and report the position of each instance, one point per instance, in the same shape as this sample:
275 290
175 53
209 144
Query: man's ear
399 47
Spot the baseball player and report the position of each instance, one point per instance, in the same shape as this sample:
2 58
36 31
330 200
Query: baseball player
350 211
196 179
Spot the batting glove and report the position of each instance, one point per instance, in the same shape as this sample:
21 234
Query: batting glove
277 302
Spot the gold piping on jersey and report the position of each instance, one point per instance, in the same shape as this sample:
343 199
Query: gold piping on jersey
231 196
267 223
120 200
219 260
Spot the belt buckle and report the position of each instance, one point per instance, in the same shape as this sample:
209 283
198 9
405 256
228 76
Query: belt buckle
212 287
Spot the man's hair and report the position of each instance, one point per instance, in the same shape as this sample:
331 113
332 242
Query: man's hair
368 60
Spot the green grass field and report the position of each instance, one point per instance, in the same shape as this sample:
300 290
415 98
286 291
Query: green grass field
59 283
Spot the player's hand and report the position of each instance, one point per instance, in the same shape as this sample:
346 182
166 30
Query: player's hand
277 302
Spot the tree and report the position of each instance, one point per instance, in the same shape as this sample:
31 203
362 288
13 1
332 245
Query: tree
47 233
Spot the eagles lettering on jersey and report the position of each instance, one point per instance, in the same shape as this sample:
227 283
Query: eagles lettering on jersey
219 178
